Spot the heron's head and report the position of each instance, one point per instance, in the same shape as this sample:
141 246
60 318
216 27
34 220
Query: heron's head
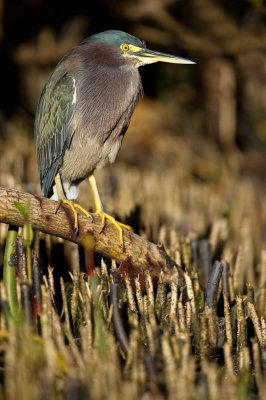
132 50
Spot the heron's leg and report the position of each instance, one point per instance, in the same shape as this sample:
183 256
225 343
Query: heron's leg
95 192
102 214
62 199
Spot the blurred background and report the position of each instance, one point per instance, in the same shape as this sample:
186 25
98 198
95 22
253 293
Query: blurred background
191 174
203 123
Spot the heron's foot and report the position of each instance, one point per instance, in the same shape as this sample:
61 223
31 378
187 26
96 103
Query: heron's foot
74 207
118 225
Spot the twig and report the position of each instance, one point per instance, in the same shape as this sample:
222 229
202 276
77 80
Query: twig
211 301
118 324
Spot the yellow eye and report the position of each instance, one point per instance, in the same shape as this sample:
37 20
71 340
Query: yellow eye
125 47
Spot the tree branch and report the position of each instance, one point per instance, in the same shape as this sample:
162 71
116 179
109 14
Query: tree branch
139 255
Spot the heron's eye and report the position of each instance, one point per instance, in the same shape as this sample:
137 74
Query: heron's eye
125 47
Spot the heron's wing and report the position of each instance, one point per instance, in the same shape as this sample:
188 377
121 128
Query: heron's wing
54 128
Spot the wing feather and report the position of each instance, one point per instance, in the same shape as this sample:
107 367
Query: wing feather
54 128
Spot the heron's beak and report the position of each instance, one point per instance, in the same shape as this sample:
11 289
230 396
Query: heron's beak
147 56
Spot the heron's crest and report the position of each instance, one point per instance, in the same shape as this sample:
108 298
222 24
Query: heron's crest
115 38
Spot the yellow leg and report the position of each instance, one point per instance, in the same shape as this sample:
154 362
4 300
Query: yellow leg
73 206
99 211
96 196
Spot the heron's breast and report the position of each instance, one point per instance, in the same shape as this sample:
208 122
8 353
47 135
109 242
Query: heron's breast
104 105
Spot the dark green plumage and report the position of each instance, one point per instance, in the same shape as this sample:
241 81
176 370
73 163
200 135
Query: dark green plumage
115 38
53 119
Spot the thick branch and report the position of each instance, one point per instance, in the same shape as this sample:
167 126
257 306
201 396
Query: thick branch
139 255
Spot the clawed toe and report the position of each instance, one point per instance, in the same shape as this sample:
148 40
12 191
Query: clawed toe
74 207
118 225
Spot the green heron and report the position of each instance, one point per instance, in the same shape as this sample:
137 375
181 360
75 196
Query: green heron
84 111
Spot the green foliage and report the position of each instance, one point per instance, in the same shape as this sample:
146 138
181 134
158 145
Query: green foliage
9 272
23 209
